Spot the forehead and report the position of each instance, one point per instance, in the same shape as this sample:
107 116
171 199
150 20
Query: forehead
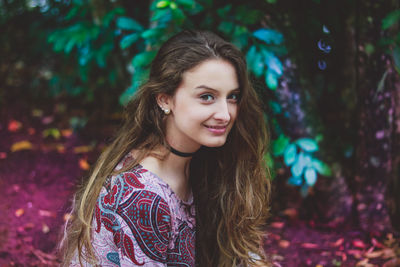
214 73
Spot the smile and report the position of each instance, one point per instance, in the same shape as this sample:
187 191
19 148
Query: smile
216 129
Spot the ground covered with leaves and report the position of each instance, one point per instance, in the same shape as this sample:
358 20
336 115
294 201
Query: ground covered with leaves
42 160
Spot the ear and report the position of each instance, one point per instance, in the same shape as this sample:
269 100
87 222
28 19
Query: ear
164 101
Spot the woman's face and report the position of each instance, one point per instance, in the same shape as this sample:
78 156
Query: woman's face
204 106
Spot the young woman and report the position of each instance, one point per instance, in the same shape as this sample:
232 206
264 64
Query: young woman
184 182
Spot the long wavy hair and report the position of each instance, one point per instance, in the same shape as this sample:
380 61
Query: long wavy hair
230 183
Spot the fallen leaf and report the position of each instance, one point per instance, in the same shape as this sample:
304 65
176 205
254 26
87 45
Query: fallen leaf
319 265
284 244
67 216
66 132
21 145
3 155
278 225
53 132
14 126
392 263
46 213
376 243
338 242
309 245
31 131
37 113
47 120
291 213
60 148
359 244
364 263
82 149
45 228
355 253
19 212
373 254
84 165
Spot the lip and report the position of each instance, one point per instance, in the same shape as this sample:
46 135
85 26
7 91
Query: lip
216 129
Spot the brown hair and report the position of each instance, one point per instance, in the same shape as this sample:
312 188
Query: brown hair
230 185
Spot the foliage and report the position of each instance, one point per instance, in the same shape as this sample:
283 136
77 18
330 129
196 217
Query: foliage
392 42
107 46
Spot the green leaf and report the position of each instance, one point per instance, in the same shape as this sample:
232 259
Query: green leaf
269 160
255 61
307 144
321 167
392 18
186 3
289 155
223 12
304 187
162 15
150 33
279 145
276 107
396 58
271 80
293 180
369 48
310 176
162 4
271 1
173 5
143 59
129 40
178 15
297 168
269 36
226 27
247 16
127 23
273 63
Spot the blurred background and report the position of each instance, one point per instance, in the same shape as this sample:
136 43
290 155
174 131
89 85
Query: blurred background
327 72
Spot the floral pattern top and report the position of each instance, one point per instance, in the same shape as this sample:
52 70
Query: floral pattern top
140 221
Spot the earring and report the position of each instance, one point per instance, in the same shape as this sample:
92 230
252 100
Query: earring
166 110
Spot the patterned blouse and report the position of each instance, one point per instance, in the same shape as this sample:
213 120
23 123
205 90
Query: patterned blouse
140 221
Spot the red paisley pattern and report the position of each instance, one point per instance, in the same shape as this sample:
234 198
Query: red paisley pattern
139 216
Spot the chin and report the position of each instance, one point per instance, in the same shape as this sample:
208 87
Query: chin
216 143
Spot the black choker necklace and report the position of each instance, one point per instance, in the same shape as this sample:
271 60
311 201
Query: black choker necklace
181 154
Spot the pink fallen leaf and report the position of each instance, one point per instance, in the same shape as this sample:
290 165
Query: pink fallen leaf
67 216
278 225
66 132
355 253
284 243
358 243
19 212
45 228
14 126
309 245
373 254
3 155
338 242
376 243
31 131
46 213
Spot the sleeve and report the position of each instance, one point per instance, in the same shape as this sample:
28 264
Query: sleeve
132 227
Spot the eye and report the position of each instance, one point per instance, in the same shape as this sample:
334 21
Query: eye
234 97
207 97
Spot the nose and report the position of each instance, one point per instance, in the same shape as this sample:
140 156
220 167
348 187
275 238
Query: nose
222 112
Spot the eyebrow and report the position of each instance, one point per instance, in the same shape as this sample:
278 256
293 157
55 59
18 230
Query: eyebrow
210 88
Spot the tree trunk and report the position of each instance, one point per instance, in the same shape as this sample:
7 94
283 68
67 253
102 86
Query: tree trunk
375 109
